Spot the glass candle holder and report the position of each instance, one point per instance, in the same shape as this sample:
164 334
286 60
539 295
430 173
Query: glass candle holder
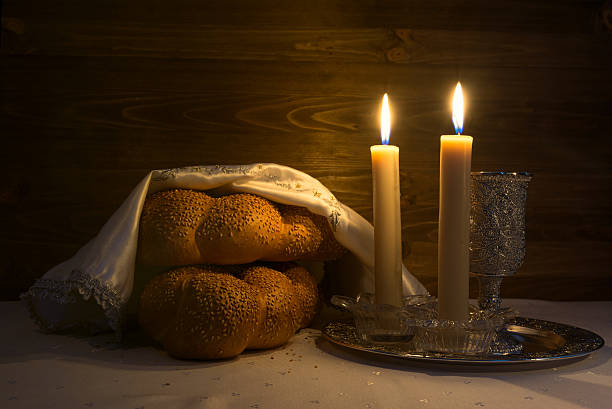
415 326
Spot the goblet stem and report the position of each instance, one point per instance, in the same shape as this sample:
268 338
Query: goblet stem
489 287
489 299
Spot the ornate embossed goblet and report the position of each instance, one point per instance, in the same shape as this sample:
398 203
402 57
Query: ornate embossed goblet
497 230
497 240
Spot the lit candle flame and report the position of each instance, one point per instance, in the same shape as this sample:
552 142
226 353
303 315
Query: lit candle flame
458 109
385 121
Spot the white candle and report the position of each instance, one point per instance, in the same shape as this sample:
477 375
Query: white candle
454 218
387 219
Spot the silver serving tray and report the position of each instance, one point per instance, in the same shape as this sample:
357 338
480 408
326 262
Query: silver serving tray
543 341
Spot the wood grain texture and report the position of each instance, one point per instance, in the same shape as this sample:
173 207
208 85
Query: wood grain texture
97 93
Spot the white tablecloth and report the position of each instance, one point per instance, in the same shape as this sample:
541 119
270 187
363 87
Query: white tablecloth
56 371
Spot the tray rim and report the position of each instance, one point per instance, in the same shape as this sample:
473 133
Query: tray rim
469 359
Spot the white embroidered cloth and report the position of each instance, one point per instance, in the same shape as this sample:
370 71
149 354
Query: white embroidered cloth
92 288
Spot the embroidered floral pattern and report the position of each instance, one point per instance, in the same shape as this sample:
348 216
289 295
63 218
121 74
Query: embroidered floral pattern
334 219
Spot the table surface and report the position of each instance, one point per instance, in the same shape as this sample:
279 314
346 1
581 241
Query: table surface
59 371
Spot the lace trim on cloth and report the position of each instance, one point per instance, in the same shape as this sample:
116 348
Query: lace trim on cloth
66 291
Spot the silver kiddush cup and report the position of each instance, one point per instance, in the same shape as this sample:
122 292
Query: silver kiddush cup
497 231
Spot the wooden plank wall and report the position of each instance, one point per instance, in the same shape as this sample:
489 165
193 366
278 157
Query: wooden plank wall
96 93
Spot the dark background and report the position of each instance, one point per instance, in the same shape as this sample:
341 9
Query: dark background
96 93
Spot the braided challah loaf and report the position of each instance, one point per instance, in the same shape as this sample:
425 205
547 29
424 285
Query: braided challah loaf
181 227
210 312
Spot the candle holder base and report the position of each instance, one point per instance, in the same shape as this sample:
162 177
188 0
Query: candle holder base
377 323
416 327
